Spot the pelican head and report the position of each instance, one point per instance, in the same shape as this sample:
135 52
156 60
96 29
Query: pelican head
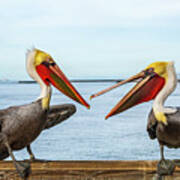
43 69
157 81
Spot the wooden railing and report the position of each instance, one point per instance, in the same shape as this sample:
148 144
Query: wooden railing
88 170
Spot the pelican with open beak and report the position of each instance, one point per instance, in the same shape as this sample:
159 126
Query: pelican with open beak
156 82
21 125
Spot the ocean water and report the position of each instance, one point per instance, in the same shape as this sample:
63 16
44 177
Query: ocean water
86 135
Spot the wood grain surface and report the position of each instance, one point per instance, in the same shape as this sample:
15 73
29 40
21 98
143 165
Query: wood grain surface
88 170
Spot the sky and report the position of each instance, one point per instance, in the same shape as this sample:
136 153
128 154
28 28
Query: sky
89 38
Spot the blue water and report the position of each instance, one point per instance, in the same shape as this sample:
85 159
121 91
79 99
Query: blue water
86 135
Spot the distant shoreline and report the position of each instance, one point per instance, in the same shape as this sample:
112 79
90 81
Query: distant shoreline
79 81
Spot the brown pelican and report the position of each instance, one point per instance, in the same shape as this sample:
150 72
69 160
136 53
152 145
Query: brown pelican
156 83
21 125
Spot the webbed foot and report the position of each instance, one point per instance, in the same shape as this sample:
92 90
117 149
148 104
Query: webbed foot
23 169
165 167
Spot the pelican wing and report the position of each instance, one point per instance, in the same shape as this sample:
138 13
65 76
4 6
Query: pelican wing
58 114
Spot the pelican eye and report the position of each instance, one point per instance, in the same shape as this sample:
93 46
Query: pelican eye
149 71
52 63
46 63
49 63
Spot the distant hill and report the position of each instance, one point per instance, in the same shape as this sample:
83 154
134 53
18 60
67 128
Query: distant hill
79 81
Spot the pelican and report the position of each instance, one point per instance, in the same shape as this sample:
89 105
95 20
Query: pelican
156 82
21 125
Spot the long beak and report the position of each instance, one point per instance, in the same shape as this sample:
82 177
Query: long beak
143 91
60 81
137 76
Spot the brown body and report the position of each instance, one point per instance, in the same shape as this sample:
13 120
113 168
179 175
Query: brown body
22 124
168 135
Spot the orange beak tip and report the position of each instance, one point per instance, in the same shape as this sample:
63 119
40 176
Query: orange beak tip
91 97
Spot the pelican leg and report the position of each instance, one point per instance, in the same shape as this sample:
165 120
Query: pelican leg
162 152
165 167
32 157
23 169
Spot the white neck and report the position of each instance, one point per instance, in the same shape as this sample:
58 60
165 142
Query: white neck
45 90
170 85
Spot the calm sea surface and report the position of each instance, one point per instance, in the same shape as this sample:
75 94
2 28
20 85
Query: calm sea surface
86 135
